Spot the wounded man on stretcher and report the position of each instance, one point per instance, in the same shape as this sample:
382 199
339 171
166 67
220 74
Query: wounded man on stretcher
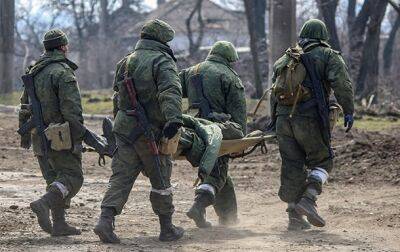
201 141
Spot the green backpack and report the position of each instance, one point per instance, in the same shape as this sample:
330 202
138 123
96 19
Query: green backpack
290 73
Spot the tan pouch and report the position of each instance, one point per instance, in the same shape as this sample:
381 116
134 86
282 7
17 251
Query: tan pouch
334 112
170 146
59 135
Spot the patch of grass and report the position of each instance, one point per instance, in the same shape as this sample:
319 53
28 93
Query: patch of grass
375 123
11 99
97 102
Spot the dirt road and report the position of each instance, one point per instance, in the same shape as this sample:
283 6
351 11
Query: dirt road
361 204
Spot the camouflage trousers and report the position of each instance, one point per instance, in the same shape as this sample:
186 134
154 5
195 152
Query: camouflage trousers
64 167
128 162
302 148
225 199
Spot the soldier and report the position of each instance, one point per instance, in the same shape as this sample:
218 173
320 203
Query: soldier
147 78
302 126
57 91
215 92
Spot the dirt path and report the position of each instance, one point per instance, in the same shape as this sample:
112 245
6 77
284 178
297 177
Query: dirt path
362 216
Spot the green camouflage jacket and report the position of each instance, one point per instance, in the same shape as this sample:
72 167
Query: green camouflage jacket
222 88
334 75
156 80
58 92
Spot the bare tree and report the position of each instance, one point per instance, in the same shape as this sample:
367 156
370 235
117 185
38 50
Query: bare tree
368 77
7 20
388 49
327 9
103 66
195 41
356 31
255 15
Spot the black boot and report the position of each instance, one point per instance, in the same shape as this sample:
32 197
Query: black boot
105 226
169 232
308 207
42 206
60 227
198 210
296 221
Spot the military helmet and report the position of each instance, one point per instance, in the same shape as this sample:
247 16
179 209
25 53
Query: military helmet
158 30
226 50
314 29
54 38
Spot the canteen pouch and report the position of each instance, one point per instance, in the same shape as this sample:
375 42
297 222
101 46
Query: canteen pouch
59 136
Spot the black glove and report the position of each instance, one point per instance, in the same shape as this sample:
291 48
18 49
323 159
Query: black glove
171 129
348 122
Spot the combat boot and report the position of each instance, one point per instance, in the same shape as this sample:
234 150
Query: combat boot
308 207
228 221
198 210
60 227
42 206
296 221
169 232
105 226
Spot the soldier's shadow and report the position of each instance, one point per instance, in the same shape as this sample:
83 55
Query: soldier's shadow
212 235
318 238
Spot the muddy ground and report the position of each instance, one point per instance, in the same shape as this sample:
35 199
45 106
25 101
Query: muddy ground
361 203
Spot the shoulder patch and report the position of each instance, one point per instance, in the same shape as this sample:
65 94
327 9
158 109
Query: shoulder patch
70 78
65 65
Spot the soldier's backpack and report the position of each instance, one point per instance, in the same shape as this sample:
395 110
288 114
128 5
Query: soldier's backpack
290 74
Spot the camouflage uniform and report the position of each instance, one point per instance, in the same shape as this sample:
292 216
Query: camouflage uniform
306 153
58 93
152 66
224 92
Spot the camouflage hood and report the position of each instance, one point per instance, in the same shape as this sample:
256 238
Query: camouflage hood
314 29
225 50
157 30
48 58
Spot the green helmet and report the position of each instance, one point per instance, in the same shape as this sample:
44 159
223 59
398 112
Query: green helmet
54 38
226 50
158 30
314 29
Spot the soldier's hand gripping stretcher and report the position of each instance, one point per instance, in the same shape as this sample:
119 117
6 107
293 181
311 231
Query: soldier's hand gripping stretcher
104 145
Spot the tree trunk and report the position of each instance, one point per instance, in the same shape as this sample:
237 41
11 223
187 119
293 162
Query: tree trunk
195 42
103 57
327 8
368 78
356 31
7 20
388 50
255 14
282 27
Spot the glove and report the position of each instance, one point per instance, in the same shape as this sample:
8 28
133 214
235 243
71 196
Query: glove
348 122
171 129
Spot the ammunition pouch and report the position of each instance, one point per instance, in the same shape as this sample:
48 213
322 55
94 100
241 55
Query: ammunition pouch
170 146
59 136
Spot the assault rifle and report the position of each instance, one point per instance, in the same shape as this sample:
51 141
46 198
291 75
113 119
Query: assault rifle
36 120
202 103
319 96
318 90
144 126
